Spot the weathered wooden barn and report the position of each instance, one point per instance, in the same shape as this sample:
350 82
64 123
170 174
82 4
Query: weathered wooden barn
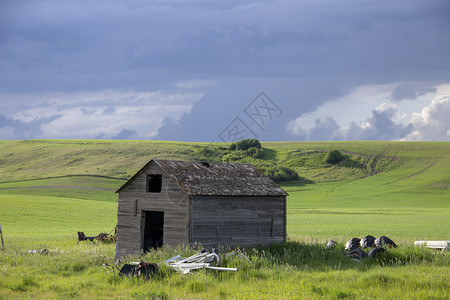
175 202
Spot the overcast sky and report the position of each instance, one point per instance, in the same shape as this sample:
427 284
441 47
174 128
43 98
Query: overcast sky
224 70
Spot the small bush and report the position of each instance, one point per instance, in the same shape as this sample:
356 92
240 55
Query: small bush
231 157
242 155
255 152
334 157
280 174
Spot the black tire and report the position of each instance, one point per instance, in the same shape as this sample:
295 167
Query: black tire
146 271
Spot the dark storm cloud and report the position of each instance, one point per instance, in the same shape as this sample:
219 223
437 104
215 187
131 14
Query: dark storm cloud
27 130
301 52
85 44
410 91
125 134
4 122
212 114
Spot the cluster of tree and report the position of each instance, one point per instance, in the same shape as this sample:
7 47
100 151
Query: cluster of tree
244 148
247 150
245 144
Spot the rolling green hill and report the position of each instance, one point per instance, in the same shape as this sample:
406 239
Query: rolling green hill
37 159
49 190
400 189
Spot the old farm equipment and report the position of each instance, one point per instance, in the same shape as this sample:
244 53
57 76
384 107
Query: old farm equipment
102 237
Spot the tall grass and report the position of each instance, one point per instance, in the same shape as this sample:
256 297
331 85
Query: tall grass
291 270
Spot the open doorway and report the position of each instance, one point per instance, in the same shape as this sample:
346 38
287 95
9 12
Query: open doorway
153 229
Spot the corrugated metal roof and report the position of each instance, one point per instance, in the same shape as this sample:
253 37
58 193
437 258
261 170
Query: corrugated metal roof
224 179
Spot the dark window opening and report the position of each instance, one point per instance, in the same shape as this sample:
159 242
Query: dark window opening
153 229
154 183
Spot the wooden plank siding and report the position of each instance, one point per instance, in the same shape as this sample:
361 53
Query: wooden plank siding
203 203
134 199
237 221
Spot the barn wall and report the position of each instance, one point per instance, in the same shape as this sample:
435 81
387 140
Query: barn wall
238 221
133 199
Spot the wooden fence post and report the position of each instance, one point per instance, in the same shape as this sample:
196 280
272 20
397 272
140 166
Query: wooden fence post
1 234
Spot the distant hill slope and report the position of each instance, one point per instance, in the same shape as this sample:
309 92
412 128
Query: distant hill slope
399 189
34 159
37 159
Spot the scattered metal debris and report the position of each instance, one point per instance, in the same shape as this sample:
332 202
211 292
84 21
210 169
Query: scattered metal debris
172 259
201 260
146 270
444 245
38 251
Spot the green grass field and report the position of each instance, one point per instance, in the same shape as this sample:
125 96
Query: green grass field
51 189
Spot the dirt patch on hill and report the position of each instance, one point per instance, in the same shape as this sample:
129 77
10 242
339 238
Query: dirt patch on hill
393 158
418 172
369 165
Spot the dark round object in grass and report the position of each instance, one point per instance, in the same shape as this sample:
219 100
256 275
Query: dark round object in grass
375 251
352 244
356 253
367 242
127 270
384 240
331 244
146 270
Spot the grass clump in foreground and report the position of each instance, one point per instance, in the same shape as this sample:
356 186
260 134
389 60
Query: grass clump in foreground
290 270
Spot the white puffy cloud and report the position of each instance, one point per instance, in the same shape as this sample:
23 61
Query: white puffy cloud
379 126
433 122
107 114
423 116
17 128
